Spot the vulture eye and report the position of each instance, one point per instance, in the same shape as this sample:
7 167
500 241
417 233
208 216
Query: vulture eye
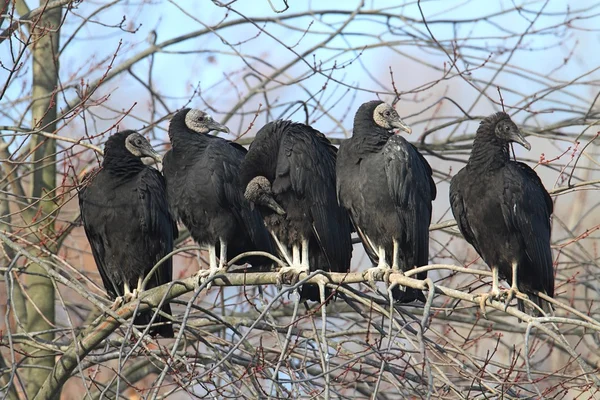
387 113
138 142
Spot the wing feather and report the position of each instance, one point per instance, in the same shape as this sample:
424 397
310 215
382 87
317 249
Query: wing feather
459 210
526 209
92 225
306 164
157 222
411 186
226 181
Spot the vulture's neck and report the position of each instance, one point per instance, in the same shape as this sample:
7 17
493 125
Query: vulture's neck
183 139
122 165
369 136
489 153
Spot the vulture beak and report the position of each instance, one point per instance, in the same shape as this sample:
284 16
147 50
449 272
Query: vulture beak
273 205
517 137
213 125
399 124
150 152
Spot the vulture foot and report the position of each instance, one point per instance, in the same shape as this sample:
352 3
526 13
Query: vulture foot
117 303
208 275
290 275
379 273
494 294
130 295
127 297
514 290
511 294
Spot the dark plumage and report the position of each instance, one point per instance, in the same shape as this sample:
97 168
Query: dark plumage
289 174
127 221
202 174
503 211
387 186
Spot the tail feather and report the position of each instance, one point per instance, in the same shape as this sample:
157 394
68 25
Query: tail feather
543 304
164 329
310 291
408 295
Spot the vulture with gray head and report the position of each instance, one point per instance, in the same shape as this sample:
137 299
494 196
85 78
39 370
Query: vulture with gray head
126 219
202 173
503 211
289 175
387 187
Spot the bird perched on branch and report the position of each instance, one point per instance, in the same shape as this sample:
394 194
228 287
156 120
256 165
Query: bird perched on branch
503 211
387 187
202 174
126 219
289 175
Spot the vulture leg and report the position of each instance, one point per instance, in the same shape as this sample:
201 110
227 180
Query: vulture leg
514 290
396 257
493 294
223 256
304 259
395 263
295 256
213 267
298 266
128 294
139 288
380 271
282 249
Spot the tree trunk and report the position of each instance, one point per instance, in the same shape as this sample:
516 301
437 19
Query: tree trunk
40 307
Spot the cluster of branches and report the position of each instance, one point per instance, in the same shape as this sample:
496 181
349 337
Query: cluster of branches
245 337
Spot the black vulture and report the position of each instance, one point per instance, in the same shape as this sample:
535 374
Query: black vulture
387 186
126 219
503 211
289 175
202 174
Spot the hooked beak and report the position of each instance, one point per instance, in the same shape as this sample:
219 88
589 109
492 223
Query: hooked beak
399 124
273 205
215 126
517 137
153 154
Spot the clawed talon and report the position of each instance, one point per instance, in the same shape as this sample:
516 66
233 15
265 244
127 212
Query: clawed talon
207 275
127 297
290 275
117 303
374 274
493 295
128 294
511 294
386 276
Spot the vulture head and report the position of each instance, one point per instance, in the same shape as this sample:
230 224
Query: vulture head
507 131
258 191
140 147
133 142
386 117
201 122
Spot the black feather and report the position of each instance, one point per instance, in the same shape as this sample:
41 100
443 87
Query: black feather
503 211
127 222
299 162
387 186
202 174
